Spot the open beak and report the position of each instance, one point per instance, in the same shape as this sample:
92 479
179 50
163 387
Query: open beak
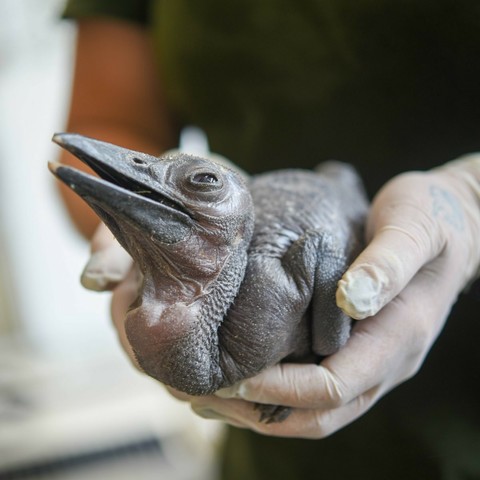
124 194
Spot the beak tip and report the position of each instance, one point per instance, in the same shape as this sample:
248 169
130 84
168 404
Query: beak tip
53 167
58 138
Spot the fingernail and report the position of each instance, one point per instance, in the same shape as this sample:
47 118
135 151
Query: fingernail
361 292
228 392
96 276
238 390
92 278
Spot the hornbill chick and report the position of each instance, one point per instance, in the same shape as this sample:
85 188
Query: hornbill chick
237 275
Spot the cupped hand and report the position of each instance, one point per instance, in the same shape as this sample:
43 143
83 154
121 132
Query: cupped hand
109 263
110 268
422 234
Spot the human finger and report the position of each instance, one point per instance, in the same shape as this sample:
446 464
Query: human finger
109 263
123 296
406 231
301 423
382 351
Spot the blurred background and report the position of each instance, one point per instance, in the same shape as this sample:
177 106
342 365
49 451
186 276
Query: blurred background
71 405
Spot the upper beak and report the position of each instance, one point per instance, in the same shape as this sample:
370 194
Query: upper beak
125 193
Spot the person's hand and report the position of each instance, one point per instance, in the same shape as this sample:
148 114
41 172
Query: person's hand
109 263
423 233
110 268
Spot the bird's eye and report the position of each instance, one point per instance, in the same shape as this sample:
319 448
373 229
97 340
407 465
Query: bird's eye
205 178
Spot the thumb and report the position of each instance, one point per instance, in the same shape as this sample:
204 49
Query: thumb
405 236
109 263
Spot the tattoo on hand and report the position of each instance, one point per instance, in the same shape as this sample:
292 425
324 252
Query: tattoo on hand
446 207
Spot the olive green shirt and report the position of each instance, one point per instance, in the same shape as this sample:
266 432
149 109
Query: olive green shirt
389 86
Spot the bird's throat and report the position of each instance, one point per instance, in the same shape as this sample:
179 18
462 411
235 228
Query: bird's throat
174 330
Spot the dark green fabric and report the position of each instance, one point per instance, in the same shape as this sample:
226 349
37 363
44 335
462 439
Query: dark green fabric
389 86
137 10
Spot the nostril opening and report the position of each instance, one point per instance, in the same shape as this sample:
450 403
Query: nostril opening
139 161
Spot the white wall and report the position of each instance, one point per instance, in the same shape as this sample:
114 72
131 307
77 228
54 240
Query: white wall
43 255
69 383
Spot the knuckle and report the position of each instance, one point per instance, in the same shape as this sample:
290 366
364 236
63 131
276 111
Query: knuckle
405 205
417 227
333 389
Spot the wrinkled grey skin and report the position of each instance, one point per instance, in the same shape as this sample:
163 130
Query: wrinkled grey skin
225 295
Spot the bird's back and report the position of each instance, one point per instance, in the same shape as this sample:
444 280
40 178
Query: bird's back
290 202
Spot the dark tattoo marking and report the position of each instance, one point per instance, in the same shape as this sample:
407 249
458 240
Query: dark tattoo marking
446 207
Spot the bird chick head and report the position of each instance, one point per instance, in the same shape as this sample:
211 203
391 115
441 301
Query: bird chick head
176 212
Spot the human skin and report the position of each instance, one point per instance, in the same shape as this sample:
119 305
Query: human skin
129 110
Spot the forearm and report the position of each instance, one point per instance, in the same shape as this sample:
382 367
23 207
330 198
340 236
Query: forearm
116 97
